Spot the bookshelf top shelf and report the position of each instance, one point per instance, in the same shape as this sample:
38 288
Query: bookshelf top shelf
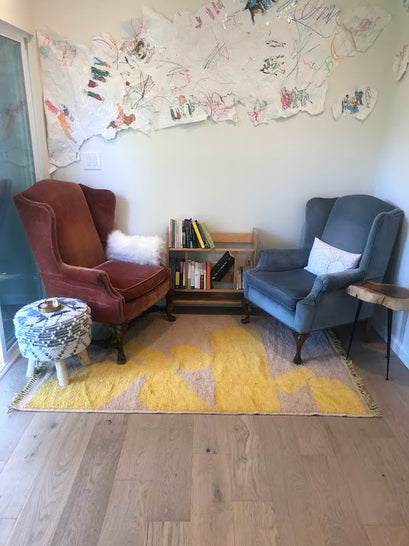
216 249
232 241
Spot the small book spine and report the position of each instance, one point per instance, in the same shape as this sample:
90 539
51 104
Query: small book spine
199 237
206 232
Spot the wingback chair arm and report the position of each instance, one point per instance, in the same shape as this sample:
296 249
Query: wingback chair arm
333 281
282 259
86 275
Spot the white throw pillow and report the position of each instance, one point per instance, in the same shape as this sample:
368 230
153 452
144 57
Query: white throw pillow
325 258
138 249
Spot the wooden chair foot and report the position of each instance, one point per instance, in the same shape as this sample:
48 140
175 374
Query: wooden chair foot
119 333
299 342
247 310
169 306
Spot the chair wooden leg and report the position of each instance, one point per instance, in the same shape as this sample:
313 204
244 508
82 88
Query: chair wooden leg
169 306
299 342
118 331
247 310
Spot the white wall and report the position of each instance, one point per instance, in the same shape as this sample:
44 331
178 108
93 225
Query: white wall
235 177
393 185
17 13
232 177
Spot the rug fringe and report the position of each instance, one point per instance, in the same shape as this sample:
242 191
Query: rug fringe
370 402
19 396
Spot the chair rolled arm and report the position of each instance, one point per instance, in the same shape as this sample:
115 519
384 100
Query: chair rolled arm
282 259
333 281
90 276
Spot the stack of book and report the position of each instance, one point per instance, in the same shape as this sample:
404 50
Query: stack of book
240 278
189 233
191 275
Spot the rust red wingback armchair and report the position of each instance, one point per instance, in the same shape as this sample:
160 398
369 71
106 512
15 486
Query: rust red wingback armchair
67 226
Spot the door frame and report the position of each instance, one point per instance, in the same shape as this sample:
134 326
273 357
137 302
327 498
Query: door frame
7 357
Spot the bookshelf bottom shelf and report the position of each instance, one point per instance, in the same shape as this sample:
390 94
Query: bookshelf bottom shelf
207 297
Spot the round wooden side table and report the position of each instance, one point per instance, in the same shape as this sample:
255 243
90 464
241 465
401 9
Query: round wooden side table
391 296
53 330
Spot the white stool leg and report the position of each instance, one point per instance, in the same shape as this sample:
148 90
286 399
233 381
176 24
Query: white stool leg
83 356
62 374
31 367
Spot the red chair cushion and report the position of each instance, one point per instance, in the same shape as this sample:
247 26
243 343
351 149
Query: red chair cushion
133 280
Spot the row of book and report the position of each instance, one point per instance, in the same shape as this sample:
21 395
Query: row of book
189 233
190 274
239 278
199 275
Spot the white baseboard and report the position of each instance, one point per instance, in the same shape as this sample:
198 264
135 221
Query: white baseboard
396 344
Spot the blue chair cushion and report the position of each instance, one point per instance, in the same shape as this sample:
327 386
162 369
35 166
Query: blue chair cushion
286 287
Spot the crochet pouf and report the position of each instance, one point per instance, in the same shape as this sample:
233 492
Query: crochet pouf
54 335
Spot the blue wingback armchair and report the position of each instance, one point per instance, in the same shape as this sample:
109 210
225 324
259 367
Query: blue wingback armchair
304 301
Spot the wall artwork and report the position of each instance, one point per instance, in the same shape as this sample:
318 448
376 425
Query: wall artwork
400 62
272 57
365 24
357 103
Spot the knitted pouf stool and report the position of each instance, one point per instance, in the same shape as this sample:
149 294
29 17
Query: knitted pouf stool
53 330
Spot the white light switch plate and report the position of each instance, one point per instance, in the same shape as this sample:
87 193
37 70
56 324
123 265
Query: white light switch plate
92 161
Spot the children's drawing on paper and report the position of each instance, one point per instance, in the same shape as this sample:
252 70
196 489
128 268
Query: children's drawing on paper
258 6
400 62
273 57
357 103
365 24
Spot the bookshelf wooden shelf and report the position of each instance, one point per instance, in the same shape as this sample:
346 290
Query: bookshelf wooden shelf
228 290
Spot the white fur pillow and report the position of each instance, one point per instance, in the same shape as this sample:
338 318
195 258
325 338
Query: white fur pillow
137 249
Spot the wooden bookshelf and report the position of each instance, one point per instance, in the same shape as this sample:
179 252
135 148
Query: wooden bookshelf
227 291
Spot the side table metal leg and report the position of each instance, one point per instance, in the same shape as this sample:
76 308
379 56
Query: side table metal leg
358 310
62 374
31 367
388 346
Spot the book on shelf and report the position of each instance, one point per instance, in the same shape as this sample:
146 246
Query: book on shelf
222 266
239 278
190 275
198 235
188 233
207 235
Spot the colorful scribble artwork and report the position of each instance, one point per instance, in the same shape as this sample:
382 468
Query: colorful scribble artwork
63 116
357 103
400 62
272 57
365 24
122 119
258 6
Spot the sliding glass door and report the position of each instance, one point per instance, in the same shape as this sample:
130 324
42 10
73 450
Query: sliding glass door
19 279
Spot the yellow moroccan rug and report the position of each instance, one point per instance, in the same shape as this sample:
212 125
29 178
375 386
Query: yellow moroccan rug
207 364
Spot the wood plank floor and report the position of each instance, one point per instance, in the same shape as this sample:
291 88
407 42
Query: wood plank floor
110 479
